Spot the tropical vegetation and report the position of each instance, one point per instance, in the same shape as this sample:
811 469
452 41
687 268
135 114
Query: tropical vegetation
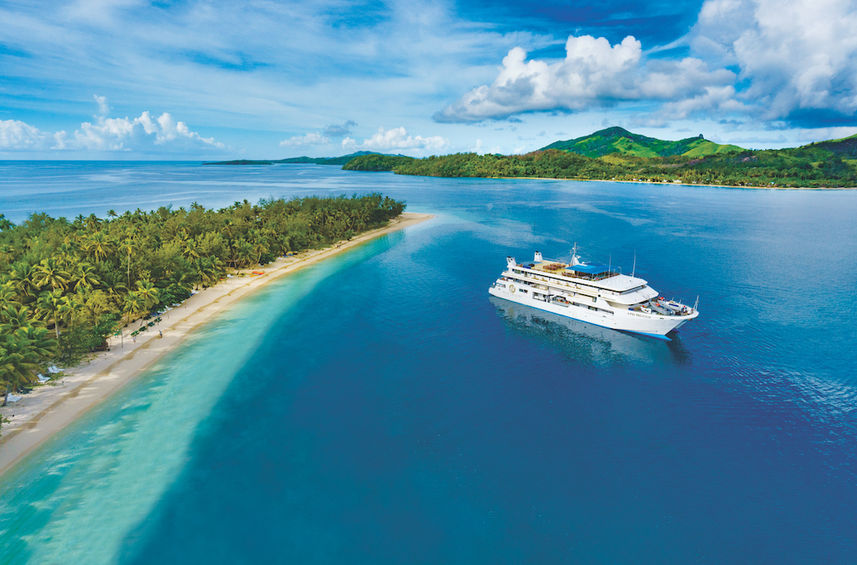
67 285
377 162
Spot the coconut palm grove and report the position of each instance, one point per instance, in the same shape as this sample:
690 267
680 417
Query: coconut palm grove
66 285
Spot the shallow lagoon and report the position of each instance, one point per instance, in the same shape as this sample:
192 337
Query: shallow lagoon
381 408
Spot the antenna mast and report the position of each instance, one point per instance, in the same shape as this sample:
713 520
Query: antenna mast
634 268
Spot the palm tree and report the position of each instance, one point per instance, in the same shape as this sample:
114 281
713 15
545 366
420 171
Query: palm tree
21 280
129 246
243 253
93 222
48 273
98 246
48 306
189 248
148 293
67 254
14 316
6 254
132 305
68 305
23 352
8 292
206 270
84 277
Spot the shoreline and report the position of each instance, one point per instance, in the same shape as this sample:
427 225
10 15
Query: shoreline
822 188
51 408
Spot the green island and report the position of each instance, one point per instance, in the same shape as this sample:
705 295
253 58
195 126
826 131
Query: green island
67 285
341 160
617 154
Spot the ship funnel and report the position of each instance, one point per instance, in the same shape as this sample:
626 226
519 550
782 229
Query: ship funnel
510 262
538 256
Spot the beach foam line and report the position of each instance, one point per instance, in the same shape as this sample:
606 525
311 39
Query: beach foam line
49 409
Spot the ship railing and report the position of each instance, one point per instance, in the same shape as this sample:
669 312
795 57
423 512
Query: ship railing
559 282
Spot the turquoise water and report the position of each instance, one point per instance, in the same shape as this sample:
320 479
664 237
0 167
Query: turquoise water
382 408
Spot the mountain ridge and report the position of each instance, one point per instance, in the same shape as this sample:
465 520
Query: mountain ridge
616 140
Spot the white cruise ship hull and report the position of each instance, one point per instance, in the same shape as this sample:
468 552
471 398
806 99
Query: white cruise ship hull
625 320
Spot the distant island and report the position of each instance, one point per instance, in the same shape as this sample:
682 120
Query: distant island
341 160
619 155
616 154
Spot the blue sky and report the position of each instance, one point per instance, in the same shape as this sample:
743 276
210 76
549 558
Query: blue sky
124 79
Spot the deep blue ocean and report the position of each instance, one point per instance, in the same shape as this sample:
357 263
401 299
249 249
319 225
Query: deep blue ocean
381 408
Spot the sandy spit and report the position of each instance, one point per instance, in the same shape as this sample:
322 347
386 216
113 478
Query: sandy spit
49 409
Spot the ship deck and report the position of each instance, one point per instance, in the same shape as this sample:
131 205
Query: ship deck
557 268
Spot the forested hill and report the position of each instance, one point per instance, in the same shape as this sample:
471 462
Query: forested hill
341 160
616 140
825 164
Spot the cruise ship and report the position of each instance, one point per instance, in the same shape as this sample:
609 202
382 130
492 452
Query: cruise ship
591 293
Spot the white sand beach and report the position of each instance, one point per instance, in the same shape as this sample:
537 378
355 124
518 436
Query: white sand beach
48 409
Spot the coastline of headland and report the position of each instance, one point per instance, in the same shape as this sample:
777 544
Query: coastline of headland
752 187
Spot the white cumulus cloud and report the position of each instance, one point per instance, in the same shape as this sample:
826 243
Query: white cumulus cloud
15 134
793 61
593 73
396 139
796 56
144 133
129 134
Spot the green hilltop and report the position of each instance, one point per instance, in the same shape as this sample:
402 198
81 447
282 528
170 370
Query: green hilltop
845 147
619 141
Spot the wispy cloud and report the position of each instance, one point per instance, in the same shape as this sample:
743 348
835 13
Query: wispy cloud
309 139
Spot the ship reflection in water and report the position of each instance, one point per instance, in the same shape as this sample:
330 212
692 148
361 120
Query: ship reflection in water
587 342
